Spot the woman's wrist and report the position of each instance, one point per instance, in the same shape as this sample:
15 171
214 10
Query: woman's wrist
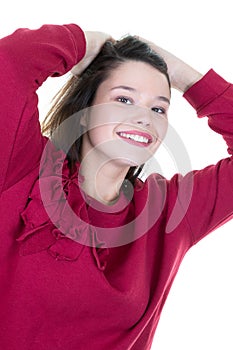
184 77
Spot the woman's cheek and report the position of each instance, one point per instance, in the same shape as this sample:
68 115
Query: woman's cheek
106 114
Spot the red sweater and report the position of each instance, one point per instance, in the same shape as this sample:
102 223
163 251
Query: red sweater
57 289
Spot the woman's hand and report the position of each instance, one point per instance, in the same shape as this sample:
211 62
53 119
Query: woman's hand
94 43
182 75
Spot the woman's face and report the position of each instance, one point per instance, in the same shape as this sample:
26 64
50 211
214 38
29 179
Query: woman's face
128 119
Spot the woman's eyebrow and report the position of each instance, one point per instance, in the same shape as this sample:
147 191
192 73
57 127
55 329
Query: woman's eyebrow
128 88
163 98
124 87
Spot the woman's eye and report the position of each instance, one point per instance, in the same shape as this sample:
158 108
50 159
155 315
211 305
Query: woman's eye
159 110
123 99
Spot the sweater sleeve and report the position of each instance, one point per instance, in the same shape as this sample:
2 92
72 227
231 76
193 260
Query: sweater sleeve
27 59
206 196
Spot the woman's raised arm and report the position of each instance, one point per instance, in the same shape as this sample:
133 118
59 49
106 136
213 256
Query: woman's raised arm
27 59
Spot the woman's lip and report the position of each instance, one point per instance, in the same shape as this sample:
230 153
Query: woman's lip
136 132
140 139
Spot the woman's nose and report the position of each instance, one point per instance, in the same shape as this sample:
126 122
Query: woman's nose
143 117
143 122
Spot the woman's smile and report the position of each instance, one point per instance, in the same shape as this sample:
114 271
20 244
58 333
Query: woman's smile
135 137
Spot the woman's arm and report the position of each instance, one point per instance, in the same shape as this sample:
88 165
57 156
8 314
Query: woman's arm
182 75
211 203
27 59
202 199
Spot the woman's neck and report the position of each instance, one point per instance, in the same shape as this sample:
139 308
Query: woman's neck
103 182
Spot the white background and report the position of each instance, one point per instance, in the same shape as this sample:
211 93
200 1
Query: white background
199 309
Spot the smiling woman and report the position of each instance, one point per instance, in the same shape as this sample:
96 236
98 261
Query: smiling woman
140 120
116 76
89 251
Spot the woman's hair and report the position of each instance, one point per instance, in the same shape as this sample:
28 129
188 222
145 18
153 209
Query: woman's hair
79 91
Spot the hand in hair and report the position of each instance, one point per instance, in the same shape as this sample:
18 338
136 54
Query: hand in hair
94 43
181 75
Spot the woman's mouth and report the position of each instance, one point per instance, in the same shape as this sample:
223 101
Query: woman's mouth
136 137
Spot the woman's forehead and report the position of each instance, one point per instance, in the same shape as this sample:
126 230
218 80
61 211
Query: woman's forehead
138 76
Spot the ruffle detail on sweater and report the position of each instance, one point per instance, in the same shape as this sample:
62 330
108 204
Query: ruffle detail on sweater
56 218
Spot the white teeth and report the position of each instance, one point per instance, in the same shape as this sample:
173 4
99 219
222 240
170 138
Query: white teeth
137 138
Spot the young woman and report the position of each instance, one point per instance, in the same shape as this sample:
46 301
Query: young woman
89 251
